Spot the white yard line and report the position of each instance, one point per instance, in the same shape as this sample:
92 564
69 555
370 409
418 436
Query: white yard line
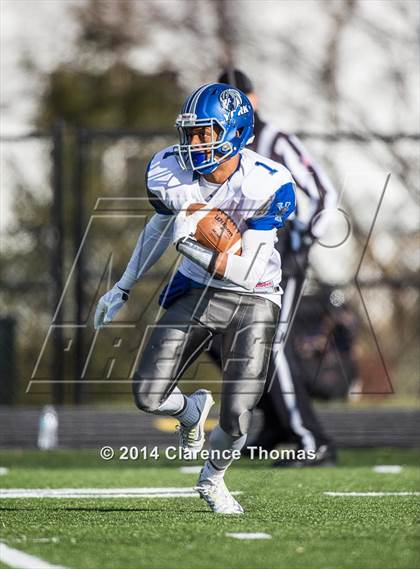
99 493
3 471
19 560
258 535
372 494
387 468
190 469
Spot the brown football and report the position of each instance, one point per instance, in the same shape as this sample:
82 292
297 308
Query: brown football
217 230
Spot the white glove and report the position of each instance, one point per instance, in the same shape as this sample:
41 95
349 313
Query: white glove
109 304
186 225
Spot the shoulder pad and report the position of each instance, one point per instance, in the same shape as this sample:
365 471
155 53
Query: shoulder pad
163 169
168 186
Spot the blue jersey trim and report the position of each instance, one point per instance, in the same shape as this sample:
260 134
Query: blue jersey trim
177 287
283 204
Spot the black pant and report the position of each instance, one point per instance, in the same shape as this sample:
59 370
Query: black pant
286 403
246 326
289 414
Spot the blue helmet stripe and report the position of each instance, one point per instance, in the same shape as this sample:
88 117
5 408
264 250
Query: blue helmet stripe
195 98
186 104
190 100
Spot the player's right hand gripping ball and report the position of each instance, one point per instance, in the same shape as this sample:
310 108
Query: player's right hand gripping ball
217 230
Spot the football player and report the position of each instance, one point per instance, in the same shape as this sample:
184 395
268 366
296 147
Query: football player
213 293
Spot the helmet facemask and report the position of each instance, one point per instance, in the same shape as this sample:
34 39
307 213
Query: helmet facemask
204 157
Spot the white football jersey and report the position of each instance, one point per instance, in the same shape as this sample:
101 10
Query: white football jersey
259 195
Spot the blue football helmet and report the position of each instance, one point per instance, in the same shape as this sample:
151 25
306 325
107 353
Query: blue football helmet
231 114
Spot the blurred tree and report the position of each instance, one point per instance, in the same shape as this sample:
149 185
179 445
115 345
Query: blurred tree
110 28
355 68
117 97
398 332
97 88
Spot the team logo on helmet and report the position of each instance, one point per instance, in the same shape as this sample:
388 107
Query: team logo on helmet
230 100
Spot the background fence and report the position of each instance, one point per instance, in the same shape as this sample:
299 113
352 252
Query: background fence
79 202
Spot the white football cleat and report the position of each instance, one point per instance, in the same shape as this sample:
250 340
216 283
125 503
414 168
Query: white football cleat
217 496
192 438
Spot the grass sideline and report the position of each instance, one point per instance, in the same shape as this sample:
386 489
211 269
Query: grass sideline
308 529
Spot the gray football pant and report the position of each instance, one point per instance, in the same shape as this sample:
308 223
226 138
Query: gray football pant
247 325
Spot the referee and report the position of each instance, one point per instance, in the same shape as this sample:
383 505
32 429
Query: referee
289 415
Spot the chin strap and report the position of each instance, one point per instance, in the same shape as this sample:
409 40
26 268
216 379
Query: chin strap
202 256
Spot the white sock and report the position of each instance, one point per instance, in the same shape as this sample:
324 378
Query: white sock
180 406
222 441
210 472
190 414
173 404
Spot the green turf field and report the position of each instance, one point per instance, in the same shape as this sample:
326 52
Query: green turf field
308 529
